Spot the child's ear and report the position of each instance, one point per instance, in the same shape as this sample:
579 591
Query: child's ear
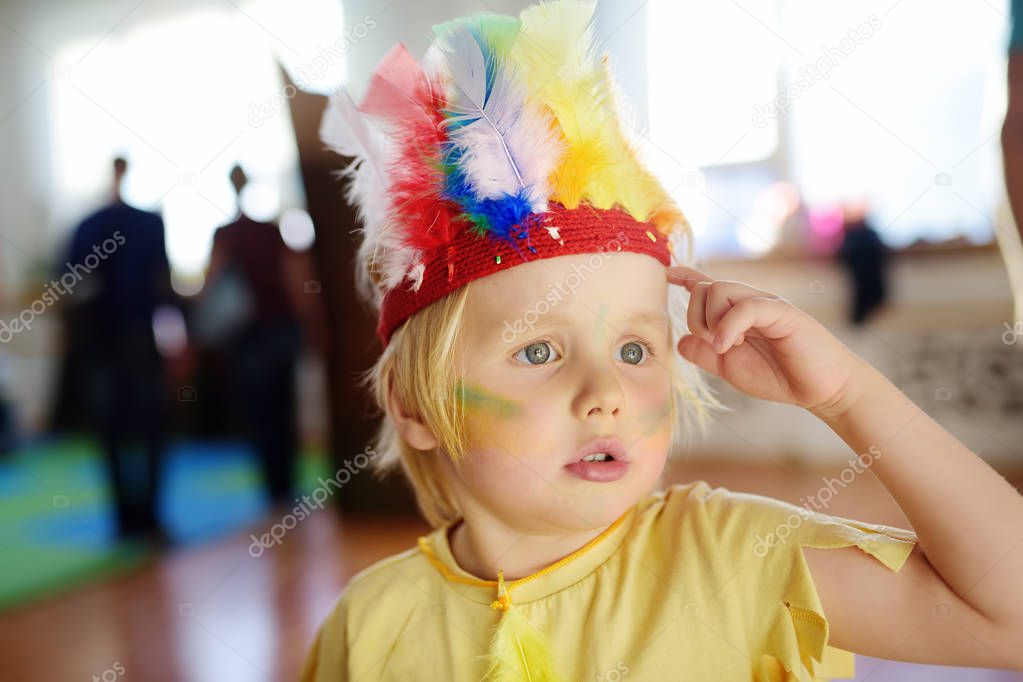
411 427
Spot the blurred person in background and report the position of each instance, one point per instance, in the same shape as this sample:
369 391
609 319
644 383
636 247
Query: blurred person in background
1011 242
865 257
779 210
120 255
260 336
6 416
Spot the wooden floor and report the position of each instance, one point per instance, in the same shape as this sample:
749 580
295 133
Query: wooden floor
208 613
218 613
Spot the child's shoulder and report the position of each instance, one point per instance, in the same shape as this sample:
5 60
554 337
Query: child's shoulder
386 576
698 500
382 586
684 515
743 520
730 508
363 615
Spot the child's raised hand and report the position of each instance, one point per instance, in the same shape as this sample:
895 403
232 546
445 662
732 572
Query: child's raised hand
762 344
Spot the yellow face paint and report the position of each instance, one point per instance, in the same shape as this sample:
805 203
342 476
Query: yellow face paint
477 399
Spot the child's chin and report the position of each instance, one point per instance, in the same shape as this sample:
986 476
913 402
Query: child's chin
600 507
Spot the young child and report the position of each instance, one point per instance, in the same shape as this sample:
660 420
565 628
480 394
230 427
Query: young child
533 303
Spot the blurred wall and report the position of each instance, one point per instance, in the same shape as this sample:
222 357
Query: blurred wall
943 340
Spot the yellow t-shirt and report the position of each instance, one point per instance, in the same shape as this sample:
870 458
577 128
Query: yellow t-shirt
692 583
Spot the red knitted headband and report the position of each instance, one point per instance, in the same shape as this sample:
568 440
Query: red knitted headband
562 232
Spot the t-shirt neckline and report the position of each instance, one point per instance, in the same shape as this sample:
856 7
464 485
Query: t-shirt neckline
577 565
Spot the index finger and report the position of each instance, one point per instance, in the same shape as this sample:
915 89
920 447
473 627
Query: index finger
687 276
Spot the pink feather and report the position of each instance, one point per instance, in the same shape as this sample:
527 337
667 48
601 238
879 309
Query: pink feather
403 97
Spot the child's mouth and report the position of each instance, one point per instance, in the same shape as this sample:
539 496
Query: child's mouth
599 468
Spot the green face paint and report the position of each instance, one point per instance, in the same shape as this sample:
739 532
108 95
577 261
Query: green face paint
476 398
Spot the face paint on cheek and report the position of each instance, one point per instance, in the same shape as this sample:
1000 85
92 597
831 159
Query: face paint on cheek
489 418
482 403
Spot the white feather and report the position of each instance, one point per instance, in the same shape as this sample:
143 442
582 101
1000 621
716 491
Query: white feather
346 131
507 145
349 132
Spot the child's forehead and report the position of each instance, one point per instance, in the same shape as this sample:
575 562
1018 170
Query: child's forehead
628 295
489 328
617 278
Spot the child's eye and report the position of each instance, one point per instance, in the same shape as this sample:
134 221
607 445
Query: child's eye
537 353
634 352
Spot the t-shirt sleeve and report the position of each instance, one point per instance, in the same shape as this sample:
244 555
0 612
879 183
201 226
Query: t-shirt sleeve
327 659
771 534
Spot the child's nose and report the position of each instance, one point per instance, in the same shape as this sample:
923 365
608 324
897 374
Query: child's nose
599 393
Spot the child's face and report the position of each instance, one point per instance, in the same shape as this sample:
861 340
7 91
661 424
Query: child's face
555 354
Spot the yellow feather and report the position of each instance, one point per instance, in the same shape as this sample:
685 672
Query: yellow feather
637 189
519 652
554 55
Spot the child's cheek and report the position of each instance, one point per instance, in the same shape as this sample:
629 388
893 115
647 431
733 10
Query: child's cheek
488 414
654 412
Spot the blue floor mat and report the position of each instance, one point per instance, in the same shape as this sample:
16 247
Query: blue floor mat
57 523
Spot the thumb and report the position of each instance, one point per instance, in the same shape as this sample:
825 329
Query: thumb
699 352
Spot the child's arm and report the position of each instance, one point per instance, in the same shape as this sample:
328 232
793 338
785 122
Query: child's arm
958 600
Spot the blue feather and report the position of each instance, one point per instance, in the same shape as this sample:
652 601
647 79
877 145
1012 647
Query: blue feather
505 218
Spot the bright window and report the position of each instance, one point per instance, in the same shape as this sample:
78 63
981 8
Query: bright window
898 103
185 96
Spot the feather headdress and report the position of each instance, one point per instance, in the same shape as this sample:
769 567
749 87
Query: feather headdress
509 146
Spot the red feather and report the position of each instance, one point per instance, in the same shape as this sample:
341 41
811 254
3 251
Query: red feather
402 95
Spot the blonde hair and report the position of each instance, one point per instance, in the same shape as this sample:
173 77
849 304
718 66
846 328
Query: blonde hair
419 367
